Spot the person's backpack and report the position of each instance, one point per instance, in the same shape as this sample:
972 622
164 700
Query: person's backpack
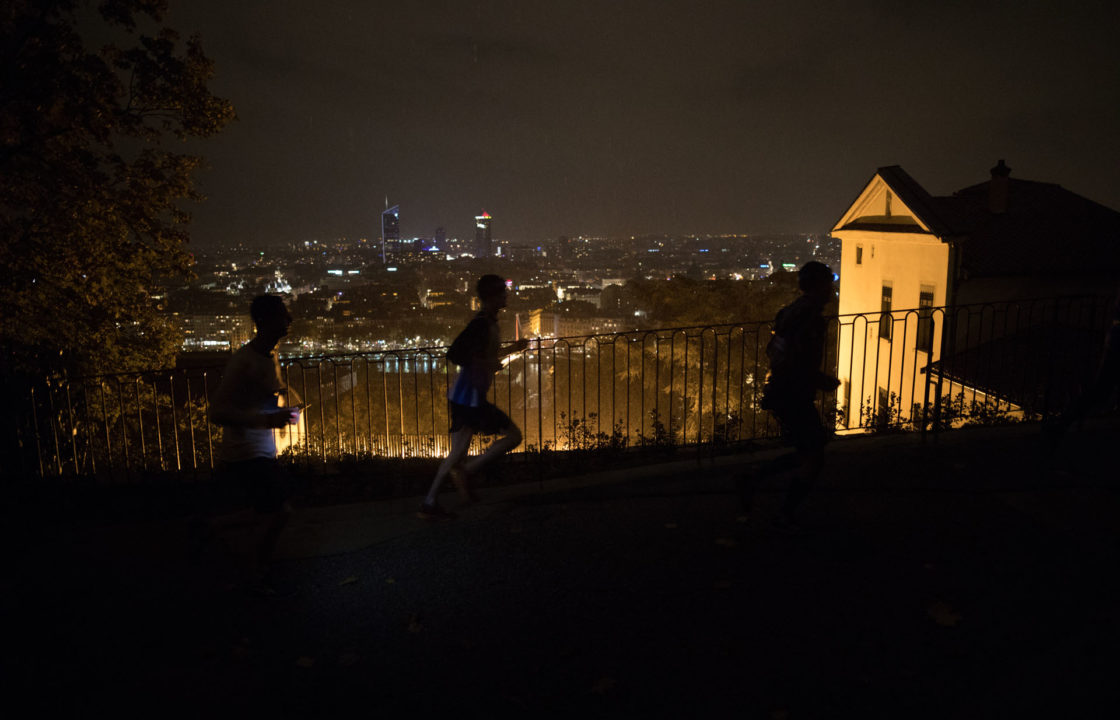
462 347
457 353
776 350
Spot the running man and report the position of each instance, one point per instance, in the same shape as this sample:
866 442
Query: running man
478 353
245 405
796 352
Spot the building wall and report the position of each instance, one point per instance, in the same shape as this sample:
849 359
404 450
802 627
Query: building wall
869 366
214 332
555 325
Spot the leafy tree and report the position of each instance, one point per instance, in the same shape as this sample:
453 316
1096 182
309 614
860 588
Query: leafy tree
687 302
91 199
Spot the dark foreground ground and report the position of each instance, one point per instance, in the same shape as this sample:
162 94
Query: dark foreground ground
971 576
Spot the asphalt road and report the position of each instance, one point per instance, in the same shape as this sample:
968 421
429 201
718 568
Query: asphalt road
969 577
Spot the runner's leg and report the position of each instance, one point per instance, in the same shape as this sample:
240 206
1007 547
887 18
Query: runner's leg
460 444
508 440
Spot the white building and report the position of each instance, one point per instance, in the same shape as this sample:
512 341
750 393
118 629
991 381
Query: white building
989 251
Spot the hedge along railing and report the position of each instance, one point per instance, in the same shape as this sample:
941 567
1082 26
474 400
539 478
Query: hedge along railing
697 386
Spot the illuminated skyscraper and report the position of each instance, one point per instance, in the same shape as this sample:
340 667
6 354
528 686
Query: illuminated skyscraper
391 234
482 243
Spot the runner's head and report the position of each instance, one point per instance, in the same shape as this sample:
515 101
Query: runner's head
270 316
815 279
492 291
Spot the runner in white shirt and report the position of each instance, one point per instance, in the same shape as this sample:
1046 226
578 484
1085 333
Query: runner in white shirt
246 406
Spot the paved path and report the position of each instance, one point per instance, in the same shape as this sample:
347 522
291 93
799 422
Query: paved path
973 576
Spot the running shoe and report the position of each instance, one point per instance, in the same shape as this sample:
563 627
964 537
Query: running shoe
433 511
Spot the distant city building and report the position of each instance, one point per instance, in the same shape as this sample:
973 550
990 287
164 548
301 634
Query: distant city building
520 253
549 324
440 298
562 250
483 244
391 234
214 332
582 294
343 279
439 241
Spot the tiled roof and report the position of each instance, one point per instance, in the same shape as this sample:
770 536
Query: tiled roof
1044 230
930 210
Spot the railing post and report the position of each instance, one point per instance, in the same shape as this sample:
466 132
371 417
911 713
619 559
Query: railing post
354 409
949 343
540 412
124 428
140 425
105 426
369 410
338 412
174 422
206 418
925 397
73 427
89 430
54 429
307 420
699 400
35 431
159 426
323 414
190 423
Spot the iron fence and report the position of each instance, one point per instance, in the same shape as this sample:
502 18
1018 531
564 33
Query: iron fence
922 369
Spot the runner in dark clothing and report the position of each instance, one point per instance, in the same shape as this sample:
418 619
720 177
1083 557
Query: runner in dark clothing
479 354
796 351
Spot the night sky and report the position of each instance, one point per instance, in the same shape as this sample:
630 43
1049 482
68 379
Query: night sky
612 118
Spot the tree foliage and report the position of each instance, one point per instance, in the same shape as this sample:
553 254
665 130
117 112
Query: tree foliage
91 194
686 302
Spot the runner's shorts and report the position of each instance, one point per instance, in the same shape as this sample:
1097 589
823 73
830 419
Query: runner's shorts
801 426
264 482
486 419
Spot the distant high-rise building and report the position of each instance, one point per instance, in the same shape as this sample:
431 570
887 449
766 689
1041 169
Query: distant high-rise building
562 247
482 241
391 233
440 239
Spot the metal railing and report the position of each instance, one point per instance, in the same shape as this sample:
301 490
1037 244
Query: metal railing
696 386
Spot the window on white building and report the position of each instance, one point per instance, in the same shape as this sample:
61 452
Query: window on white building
925 319
886 320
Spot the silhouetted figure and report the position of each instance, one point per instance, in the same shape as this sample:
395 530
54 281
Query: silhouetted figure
245 405
1101 390
796 350
478 353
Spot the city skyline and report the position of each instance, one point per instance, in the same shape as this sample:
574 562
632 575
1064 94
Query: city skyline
635 119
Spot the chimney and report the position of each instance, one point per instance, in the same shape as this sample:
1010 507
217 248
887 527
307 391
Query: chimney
998 188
